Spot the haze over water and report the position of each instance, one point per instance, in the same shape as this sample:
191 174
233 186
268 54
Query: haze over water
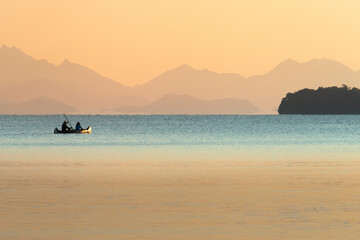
180 177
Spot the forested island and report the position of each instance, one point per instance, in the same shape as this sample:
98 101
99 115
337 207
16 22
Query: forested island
329 100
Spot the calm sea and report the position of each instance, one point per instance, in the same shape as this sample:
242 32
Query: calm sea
266 136
180 177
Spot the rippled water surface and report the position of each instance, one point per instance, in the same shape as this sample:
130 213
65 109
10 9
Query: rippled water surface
272 135
181 177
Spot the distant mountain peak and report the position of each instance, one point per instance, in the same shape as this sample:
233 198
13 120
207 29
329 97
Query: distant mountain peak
12 50
184 67
65 62
6 47
39 105
289 62
326 63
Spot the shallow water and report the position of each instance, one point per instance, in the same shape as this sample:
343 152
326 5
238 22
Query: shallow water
181 177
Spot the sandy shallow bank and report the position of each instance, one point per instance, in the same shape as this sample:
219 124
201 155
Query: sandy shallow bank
192 199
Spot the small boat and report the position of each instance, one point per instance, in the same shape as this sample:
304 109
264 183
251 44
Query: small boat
84 131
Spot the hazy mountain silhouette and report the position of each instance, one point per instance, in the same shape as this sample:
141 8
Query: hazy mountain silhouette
198 83
38 106
17 67
183 104
267 90
23 78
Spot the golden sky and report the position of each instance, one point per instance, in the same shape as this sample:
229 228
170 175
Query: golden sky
133 41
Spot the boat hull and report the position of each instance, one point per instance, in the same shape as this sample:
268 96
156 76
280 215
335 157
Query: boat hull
84 131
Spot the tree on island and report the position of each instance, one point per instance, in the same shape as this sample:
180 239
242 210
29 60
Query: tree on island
329 100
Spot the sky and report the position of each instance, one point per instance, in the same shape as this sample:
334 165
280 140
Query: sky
134 41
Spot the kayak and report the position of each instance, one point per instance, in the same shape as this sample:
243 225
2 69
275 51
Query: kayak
84 131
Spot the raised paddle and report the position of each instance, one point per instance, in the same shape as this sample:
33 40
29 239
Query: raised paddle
68 121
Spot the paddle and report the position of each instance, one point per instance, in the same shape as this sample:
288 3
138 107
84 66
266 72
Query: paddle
68 121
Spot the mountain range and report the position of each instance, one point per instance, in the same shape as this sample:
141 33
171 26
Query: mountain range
183 104
40 105
23 79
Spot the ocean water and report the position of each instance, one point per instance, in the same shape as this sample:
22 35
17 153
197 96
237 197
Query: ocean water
267 136
181 177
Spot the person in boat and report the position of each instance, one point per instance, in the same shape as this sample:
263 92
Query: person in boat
78 127
65 127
